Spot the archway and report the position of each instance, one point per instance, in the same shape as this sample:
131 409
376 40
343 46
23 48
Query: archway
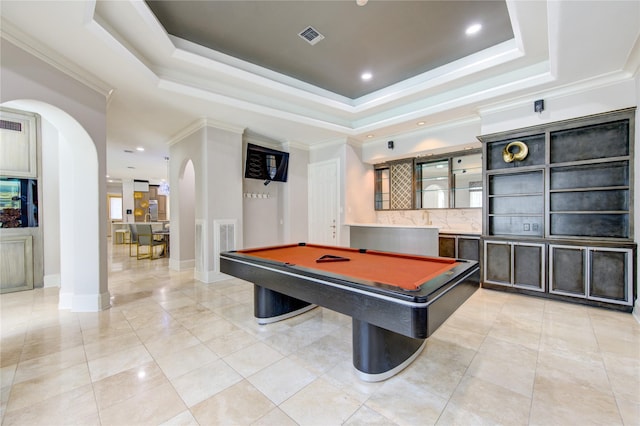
83 276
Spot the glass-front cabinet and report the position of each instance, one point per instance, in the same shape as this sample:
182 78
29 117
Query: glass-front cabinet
442 182
382 189
467 181
432 185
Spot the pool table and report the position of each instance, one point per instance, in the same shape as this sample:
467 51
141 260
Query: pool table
395 300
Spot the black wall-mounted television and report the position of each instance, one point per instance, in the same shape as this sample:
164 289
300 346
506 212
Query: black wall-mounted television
266 164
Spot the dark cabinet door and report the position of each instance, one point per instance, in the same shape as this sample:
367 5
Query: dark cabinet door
497 262
515 264
528 266
609 277
447 246
567 270
469 248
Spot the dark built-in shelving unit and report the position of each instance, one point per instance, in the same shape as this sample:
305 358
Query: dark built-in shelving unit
559 223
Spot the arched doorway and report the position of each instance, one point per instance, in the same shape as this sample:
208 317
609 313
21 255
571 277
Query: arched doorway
81 245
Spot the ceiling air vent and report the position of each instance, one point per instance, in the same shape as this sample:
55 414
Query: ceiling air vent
311 35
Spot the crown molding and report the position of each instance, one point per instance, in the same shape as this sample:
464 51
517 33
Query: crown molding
256 138
297 145
12 34
224 126
190 129
201 123
330 143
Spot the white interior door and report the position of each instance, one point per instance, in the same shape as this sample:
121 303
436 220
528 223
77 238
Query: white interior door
323 203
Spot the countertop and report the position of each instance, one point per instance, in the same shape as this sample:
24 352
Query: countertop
459 231
440 230
390 225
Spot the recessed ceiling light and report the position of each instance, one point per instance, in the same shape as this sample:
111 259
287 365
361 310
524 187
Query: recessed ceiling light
369 136
366 76
140 149
421 123
473 29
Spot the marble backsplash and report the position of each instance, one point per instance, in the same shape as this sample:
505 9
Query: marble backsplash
452 220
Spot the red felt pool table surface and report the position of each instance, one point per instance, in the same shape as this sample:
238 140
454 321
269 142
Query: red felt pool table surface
406 271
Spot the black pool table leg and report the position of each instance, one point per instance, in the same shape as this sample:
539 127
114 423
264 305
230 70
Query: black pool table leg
270 306
379 353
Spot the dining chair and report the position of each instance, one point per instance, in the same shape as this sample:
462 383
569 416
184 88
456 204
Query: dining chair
133 239
146 239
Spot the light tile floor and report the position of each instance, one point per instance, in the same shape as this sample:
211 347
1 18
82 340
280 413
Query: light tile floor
175 351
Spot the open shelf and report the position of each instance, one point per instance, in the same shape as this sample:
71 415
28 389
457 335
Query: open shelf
573 197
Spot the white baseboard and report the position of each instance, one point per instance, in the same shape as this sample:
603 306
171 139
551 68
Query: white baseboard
52 280
181 265
85 302
65 301
636 310
210 276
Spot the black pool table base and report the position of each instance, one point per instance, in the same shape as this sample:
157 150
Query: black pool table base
270 306
379 353
263 321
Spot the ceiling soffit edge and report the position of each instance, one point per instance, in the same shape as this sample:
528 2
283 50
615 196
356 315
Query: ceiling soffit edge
427 129
632 64
120 45
455 100
460 99
12 34
237 95
248 106
315 97
430 81
570 89
515 23
210 59
521 79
